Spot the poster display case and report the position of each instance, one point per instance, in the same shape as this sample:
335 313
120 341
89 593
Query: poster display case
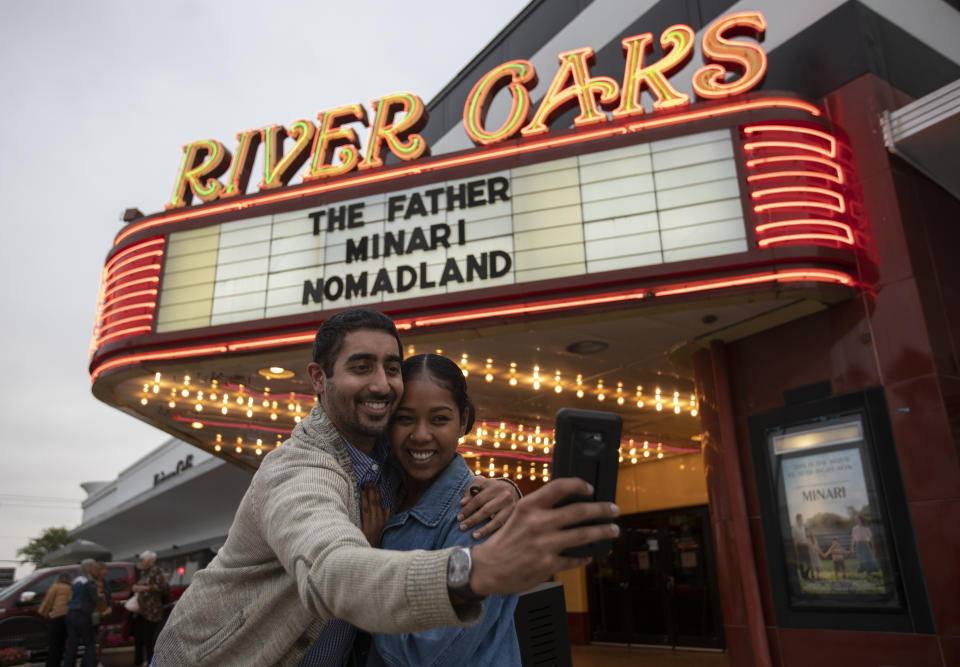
836 526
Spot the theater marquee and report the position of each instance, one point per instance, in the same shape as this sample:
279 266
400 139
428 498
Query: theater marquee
737 192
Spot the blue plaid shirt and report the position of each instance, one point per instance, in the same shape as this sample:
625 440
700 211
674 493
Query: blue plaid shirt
335 641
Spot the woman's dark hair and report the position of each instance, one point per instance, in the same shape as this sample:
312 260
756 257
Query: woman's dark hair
448 375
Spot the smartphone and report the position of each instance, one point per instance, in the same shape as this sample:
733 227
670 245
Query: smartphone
587 445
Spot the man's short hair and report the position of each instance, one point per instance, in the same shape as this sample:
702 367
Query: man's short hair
331 334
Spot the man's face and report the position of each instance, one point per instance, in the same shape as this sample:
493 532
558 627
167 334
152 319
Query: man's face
365 386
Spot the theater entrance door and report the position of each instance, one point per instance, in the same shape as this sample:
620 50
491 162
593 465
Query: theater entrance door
659 584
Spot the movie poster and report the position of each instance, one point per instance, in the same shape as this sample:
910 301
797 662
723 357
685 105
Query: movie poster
836 546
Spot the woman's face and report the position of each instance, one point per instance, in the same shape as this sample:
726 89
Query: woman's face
425 429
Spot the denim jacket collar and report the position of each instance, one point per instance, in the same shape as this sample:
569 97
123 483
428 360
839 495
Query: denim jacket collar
436 501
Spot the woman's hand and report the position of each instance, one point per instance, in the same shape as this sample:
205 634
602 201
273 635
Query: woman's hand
495 500
373 515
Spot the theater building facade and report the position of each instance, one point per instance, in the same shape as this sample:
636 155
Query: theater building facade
732 224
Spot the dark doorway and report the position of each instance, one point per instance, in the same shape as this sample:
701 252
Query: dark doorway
658 585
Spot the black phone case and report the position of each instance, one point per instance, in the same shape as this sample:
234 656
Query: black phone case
586 445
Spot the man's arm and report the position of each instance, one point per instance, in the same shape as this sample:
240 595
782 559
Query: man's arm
305 520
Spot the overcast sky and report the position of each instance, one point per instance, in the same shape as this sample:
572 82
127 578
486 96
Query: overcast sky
97 99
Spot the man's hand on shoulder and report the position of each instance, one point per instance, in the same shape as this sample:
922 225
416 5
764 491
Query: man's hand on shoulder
484 499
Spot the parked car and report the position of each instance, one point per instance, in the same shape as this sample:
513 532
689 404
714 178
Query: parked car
21 624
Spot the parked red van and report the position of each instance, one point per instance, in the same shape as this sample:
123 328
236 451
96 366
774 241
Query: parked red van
21 624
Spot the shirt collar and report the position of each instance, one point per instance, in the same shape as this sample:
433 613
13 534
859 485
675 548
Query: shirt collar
367 468
434 505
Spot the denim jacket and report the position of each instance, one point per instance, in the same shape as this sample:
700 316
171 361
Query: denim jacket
432 524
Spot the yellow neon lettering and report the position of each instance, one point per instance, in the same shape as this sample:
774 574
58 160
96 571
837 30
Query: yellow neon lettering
278 171
679 39
520 77
332 136
709 82
584 89
242 163
203 158
382 130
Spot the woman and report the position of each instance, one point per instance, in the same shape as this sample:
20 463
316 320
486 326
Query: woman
149 589
432 416
861 542
54 607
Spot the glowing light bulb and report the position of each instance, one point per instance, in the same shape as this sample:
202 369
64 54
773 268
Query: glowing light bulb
198 407
143 401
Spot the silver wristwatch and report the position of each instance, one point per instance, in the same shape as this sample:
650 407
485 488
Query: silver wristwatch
458 575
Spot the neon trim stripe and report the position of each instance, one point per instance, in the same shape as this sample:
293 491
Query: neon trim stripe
791 238
156 356
109 312
131 260
796 275
799 129
140 281
108 303
134 248
126 274
845 228
802 203
756 145
126 320
475 157
120 334
794 174
755 162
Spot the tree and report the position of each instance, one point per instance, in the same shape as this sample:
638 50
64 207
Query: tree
49 541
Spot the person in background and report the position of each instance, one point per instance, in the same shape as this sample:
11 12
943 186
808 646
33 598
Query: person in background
149 588
54 607
84 597
434 413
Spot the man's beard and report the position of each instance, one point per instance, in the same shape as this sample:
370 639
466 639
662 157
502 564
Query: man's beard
345 411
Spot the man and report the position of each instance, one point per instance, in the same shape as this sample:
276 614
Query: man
85 596
295 557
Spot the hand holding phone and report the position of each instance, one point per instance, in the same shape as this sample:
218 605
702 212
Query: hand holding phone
586 445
